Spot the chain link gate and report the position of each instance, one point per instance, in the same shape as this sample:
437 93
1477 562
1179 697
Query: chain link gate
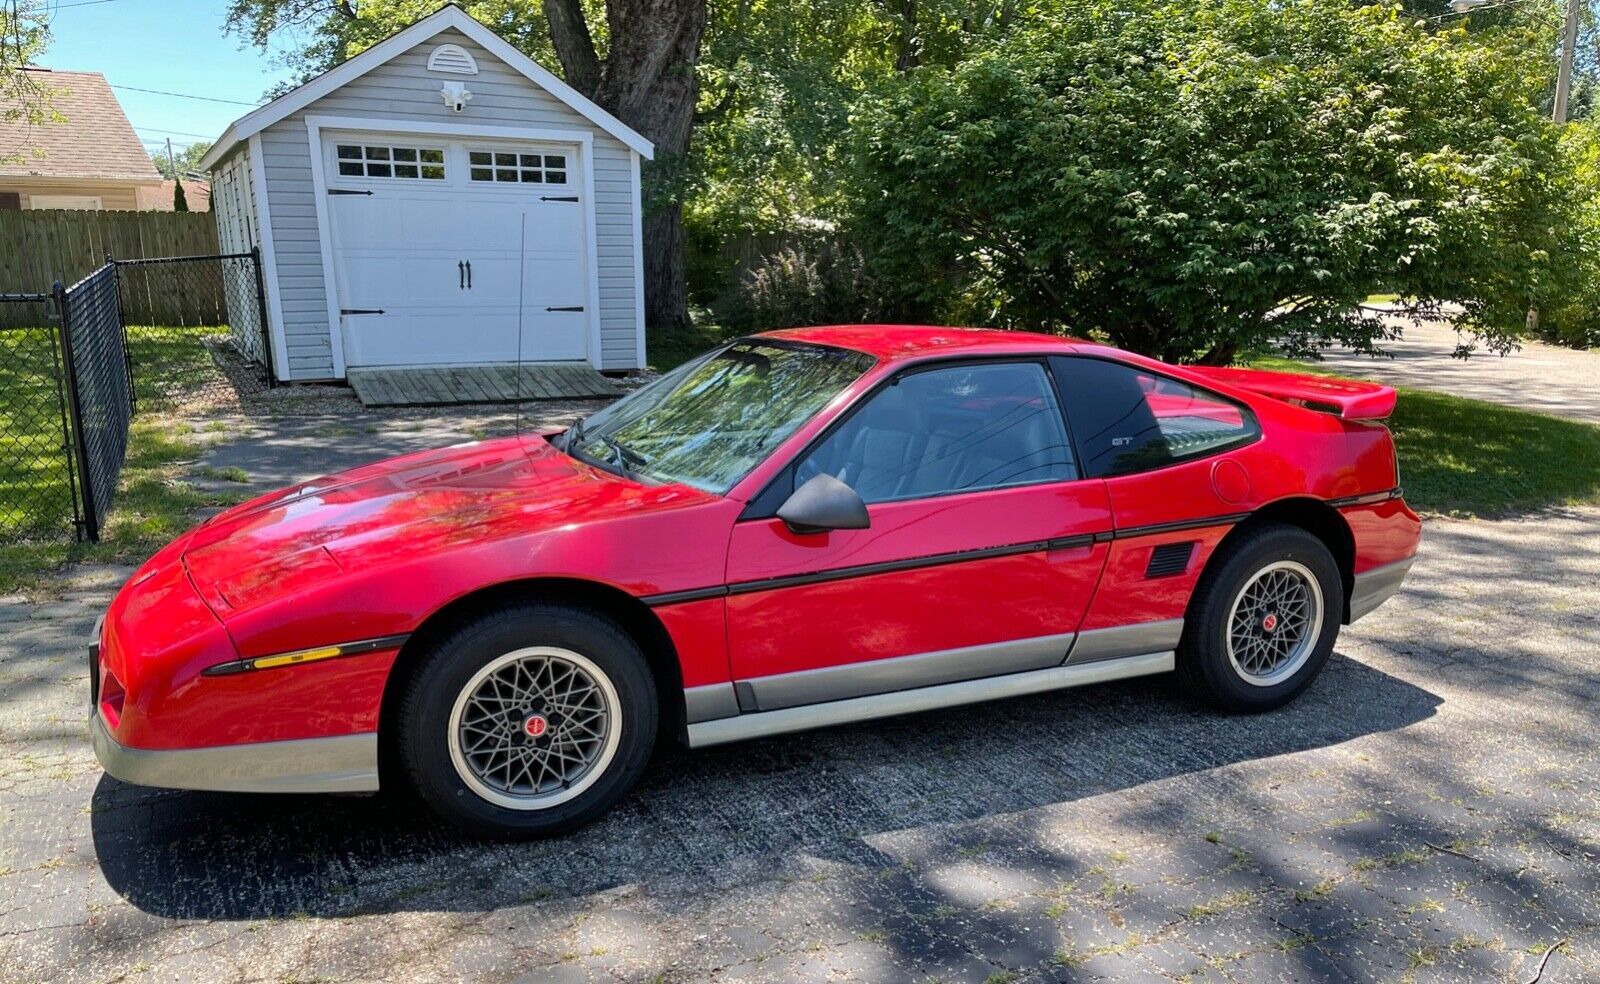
38 471
78 363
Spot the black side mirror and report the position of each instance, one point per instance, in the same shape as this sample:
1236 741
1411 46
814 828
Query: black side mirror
824 503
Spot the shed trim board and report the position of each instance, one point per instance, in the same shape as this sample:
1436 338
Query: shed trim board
269 259
638 259
582 143
449 16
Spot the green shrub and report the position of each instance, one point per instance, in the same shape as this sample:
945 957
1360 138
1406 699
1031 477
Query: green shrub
827 284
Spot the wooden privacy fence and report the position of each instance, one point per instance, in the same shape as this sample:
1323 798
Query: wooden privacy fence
38 248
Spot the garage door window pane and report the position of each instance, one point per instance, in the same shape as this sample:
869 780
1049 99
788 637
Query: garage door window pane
526 168
1129 420
390 162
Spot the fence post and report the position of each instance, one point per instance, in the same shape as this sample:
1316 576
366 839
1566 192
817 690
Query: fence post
89 525
122 323
261 310
68 451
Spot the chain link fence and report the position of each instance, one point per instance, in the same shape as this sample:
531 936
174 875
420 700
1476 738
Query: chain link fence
179 311
38 477
78 363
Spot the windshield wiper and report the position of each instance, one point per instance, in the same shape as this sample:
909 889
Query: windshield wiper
574 434
626 456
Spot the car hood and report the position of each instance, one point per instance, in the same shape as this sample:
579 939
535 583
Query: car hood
393 511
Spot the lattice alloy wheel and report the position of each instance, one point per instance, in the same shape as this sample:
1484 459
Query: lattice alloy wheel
534 728
1274 623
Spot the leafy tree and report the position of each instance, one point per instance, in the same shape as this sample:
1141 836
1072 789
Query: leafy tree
24 34
180 201
1569 303
187 159
635 58
1194 181
781 76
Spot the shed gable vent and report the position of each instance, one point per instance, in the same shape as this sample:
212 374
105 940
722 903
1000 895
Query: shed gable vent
454 59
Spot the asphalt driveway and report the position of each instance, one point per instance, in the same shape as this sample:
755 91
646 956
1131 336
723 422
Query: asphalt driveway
1430 810
1537 376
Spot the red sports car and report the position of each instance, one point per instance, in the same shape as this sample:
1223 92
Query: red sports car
795 530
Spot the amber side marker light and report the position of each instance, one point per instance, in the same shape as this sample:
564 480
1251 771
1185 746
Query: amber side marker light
299 656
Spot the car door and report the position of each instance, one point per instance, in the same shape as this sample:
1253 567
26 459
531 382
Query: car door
980 558
1174 457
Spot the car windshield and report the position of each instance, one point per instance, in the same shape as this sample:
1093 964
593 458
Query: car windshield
710 421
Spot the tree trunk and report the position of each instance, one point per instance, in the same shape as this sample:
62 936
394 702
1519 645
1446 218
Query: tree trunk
647 81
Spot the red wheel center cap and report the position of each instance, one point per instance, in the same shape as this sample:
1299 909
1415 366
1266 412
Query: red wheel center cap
536 725
1269 623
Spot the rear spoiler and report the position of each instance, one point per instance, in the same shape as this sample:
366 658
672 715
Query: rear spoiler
1348 398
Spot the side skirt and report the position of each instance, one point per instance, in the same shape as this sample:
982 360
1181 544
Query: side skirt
764 723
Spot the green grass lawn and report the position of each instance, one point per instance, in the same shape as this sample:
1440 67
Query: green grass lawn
1461 457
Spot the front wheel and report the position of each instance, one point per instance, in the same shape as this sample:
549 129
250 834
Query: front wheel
528 722
1263 620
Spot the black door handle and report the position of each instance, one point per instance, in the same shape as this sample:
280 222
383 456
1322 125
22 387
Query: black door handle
469 274
578 308
461 275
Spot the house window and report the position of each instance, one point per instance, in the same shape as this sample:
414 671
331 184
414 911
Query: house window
364 160
80 202
510 167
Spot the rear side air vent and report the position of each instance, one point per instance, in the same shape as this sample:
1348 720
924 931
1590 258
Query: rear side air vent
1169 559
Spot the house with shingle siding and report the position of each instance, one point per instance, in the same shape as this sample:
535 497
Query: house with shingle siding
89 159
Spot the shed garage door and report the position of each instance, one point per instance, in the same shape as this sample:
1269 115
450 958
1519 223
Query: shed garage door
458 253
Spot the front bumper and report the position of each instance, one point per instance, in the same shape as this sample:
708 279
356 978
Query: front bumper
344 764
1373 588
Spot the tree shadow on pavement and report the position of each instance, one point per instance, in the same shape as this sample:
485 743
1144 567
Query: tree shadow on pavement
703 816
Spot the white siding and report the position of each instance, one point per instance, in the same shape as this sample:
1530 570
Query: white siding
403 89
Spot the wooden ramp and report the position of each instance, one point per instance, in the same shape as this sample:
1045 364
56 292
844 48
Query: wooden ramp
442 385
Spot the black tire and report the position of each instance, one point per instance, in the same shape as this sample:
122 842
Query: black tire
1204 665
433 690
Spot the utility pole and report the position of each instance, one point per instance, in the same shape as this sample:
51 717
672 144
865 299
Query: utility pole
173 167
1569 49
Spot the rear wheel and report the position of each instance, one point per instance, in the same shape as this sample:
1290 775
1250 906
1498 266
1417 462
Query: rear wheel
527 722
1263 620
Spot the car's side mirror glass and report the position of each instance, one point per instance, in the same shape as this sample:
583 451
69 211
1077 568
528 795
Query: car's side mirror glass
824 503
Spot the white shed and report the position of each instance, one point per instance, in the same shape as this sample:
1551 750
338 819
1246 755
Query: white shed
438 200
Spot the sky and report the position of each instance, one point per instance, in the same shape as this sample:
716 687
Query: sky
172 45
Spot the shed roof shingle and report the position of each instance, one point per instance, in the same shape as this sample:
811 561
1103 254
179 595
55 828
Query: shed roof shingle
95 140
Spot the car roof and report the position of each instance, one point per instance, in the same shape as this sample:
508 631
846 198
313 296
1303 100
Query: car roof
896 343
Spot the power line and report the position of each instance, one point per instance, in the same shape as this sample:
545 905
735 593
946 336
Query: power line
79 3
176 133
180 95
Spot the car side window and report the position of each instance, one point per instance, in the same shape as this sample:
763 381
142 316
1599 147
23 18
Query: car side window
1129 420
958 429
